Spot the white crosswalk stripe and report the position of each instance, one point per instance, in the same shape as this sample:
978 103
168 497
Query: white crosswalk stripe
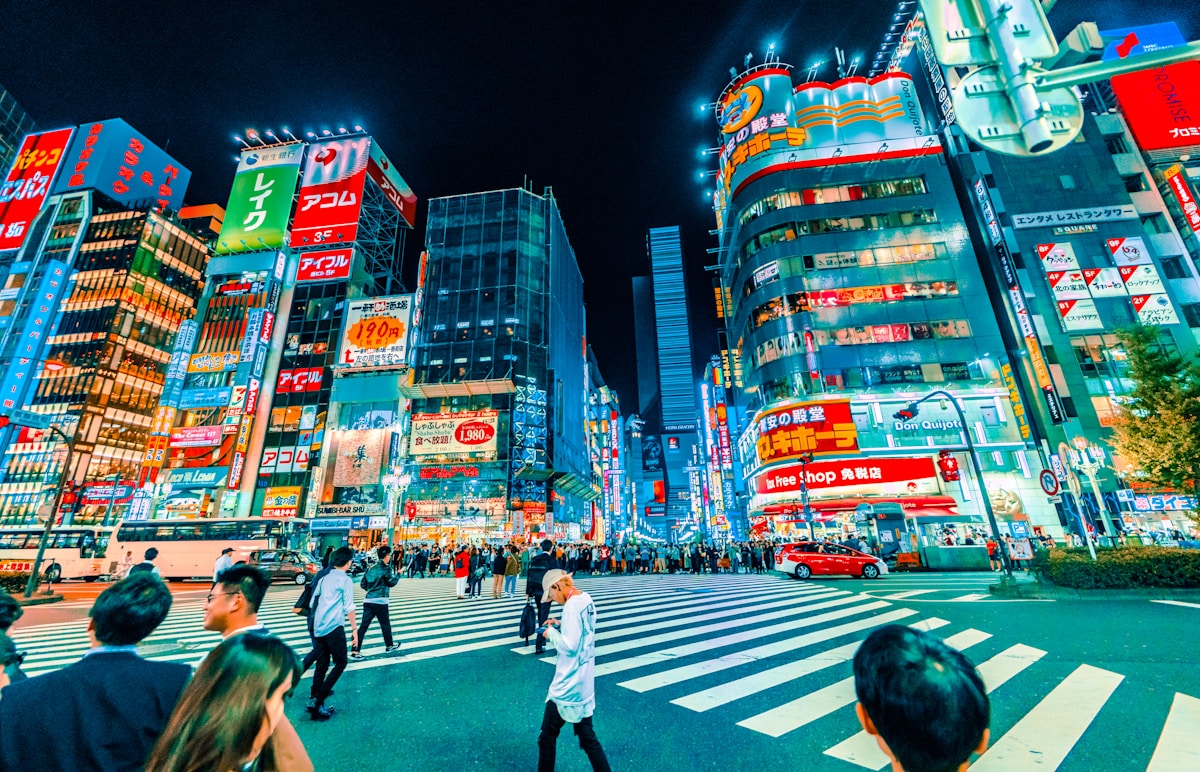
1179 744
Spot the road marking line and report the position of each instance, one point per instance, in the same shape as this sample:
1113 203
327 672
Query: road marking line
1179 744
768 679
905 594
666 655
790 716
863 750
1046 734
1177 603
970 597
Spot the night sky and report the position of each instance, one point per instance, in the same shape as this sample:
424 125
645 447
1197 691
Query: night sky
601 104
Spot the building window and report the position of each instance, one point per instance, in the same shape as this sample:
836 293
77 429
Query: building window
794 230
1116 145
1067 181
831 194
1174 268
1191 314
1136 184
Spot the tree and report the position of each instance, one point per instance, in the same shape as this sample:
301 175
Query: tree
1158 429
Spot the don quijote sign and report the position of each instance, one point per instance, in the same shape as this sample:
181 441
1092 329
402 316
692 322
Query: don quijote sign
928 426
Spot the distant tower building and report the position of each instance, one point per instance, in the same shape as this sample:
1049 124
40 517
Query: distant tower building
15 123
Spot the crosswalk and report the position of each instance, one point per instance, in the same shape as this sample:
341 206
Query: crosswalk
754 654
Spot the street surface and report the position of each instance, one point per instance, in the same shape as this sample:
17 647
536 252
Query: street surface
728 673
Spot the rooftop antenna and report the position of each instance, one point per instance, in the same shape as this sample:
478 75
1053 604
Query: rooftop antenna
841 62
746 61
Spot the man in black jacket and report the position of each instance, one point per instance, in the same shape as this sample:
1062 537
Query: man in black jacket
105 712
538 566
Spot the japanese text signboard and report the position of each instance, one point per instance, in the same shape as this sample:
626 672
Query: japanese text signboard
395 189
820 428
376 332
27 185
120 162
1075 216
1128 251
1183 194
840 474
26 359
331 196
261 199
1154 309
325 265
466 432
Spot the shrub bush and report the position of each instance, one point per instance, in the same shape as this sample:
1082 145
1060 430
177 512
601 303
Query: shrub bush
13 582
1124 568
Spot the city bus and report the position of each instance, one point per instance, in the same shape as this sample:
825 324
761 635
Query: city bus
73 552
189 548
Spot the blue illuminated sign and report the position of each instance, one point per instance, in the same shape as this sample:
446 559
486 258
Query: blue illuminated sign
120 162
193 398
28 351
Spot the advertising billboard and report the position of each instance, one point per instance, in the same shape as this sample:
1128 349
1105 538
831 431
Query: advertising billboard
376 332
1161 104
1183 194
119 161
395 189
261 199
195 436
325 265
1079 315
282 501
1154 309
28 183
789 431
468 432
27 353
881 472
331 196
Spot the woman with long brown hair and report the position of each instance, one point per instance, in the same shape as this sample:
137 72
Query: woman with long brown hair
227 714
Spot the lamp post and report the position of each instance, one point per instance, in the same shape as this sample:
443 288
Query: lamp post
397 485
805 459
1090 459
62 484
910 412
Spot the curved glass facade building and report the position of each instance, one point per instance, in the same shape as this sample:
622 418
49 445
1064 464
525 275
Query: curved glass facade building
851 288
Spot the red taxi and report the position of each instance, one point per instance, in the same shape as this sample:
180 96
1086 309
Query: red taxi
804 559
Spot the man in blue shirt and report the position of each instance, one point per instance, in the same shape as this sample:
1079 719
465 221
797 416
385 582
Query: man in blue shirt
334 604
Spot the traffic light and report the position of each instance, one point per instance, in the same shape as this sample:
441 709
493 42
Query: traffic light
948 466
908 413
410 511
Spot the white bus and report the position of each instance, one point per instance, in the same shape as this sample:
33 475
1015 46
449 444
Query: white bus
73 552
189 548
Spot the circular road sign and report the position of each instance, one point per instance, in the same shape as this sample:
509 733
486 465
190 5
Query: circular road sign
1049 482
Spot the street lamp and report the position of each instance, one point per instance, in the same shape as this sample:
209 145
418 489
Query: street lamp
910 412
805 459
397 485
1090 460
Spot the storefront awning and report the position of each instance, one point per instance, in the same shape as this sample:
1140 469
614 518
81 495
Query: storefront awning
575 485
931 507
458 388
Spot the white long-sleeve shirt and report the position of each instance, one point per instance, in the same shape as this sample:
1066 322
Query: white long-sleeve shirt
573 689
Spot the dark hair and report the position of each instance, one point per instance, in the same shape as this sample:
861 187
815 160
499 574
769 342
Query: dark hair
341 556
546 545
10 611
249 581
220 713
384 551
151 553
925 698
130 610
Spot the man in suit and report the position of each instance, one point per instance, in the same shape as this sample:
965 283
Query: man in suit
105 712
538 566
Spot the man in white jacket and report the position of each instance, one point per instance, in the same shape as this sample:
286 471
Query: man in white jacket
572 695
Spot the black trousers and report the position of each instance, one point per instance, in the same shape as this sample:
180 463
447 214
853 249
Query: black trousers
543 615
374 611
327 648
552 724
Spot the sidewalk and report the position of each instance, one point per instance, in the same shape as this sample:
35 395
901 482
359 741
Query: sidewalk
1024 585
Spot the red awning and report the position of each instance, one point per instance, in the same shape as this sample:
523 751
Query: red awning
828 509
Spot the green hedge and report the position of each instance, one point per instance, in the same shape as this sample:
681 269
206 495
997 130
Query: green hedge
1124 568
13 582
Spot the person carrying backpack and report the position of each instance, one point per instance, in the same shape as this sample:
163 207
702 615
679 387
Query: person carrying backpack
146 566
378 580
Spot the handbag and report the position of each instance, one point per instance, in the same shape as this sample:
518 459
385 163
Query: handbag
528 625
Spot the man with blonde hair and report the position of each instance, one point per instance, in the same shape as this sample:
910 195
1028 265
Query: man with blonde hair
572 695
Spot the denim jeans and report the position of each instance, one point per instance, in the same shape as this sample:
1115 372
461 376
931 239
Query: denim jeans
510 585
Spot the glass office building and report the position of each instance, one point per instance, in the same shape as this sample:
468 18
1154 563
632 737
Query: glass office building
502 343
15 123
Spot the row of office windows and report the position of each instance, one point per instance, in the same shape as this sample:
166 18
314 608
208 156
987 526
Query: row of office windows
794 230
832 194
801 342
901 254
803 302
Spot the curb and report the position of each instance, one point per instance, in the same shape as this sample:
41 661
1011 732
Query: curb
1045 591
40 600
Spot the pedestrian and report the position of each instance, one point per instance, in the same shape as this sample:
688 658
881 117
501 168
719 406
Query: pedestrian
447 561
229 712
232 609
499 567
572 695
539 564
10 612
462 572
422 561
993 555
147 565
326 556
526 556
512 568
10 662
923 701
435 559
126 563
378 582
478 569
105 711
224 563
333 606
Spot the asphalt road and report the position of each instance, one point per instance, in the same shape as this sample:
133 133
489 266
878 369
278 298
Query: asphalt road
730 673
